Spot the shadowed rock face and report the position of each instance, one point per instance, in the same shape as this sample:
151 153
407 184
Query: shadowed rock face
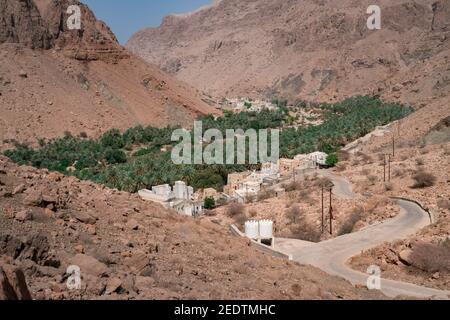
42 24
13 285
20 22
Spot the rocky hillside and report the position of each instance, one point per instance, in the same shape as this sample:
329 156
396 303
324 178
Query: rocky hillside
130 249
54 80
314 50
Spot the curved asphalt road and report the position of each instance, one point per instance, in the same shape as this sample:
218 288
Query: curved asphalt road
331 255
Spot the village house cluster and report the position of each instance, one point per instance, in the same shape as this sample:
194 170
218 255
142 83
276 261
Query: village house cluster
244 185
241 186
180 198
242 105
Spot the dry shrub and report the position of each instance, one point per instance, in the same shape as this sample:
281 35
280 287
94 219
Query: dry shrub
431 257
420 162
376 202
398 173
341 167
304 194
296 289
349 224
446 151
300 228
265 194
343 155
388 186
240 219
444 204
421 143
293 214
423 179
402 144
325 183
293 186
209 213
314 176
251 198
372 179
305 231
235 209
365 158
365 171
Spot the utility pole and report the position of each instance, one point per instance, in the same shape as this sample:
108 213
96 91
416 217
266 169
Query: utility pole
323 210
331 214
293 173
393 144
389 160
384 167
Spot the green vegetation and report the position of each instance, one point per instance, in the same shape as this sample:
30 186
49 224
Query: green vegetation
140 157
210 203
332 159
343 123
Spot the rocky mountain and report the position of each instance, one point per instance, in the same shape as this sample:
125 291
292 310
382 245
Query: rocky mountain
54 80
309 49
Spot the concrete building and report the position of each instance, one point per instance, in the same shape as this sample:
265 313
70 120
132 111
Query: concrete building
235 180
180 198
318 158
248 184
202 194
287 166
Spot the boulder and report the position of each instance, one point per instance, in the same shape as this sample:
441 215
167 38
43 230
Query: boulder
132 224
405 256
83 217
23 74
89 265
34 198
24 215
12 284
19 189
79 248
143 284
139 262
113 285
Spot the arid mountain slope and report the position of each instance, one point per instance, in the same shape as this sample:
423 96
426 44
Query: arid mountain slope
54 80
130 249
315 50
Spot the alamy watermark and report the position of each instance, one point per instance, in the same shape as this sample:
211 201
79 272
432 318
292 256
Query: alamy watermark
235 144
74 20
374 280
374 20
74 280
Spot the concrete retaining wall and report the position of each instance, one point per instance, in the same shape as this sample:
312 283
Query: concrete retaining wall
433 215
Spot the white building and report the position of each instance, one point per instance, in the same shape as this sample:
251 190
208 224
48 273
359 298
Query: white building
318 158
180 198
252 184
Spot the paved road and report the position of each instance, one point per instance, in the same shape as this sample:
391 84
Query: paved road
342 188
331 255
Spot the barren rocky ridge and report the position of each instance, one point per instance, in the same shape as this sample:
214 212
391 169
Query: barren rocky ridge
313 50
83 78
